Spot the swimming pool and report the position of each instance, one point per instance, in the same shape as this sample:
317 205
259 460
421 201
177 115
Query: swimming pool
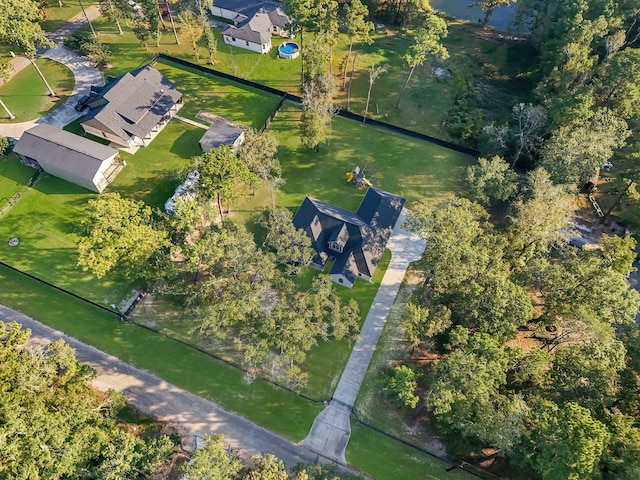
288 50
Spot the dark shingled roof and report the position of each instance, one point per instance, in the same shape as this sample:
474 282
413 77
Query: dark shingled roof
365 233
135 103
52 147
221 132
247 8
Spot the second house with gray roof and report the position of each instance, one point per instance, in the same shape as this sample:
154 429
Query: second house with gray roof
254 22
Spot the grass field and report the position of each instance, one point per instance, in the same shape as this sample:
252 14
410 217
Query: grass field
56 16
412 168
27 97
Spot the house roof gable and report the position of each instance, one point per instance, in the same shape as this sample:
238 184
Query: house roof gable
365 232
51 146
134 103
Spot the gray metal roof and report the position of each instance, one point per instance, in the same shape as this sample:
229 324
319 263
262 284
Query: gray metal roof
135 103
221 132
51 146
254 29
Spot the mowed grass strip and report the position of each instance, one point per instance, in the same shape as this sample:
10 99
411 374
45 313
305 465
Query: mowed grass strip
236 102
44 220
269 406
26 95
387 459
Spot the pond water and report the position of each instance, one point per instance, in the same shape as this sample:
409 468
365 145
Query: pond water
501 18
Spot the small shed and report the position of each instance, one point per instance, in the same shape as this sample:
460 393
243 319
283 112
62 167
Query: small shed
68 156
221 132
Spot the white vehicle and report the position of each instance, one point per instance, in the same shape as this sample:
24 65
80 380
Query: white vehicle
134 5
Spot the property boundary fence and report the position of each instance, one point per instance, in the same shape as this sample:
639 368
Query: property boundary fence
63 290
295 98
453 461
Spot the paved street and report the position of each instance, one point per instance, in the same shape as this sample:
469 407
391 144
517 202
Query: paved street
331 429
194 416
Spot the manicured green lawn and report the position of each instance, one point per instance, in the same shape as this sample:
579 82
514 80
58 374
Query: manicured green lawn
151 175
240 104
27 97
387 459
43 220
412 168
57 16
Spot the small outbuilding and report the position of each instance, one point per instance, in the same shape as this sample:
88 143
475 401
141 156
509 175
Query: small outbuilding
68 156
221 132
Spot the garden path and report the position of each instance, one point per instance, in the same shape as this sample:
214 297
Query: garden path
85 75
331 429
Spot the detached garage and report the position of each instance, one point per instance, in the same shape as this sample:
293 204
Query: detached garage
68 156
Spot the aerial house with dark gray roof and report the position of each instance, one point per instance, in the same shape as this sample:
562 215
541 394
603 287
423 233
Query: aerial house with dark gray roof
131 109
68 156
355 241
254 22
221 132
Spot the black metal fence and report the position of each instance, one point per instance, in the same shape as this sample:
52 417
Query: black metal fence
295 98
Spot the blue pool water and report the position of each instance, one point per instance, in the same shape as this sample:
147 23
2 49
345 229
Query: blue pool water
288 48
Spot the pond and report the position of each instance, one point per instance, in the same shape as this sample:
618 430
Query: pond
501 18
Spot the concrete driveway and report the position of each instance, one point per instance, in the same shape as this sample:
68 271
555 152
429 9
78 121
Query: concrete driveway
331 429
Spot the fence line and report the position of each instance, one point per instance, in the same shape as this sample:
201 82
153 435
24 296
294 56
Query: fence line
295 98
455 462
60 289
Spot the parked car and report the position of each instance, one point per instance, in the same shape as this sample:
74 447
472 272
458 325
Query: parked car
82 103
134 5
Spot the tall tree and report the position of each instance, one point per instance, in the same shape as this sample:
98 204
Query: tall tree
111 13
213 461
374 72
292 246
358 28
491 180
426 41
574 152
116 231
488 6
223 175
541 213
192 26
19 26
530 121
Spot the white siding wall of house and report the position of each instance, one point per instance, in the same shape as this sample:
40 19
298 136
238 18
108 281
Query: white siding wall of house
223 12
112 138
341 279
254 47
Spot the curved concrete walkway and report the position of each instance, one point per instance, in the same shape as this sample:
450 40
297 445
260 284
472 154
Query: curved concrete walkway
85 75
331 429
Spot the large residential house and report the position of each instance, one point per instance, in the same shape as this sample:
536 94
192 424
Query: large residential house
131 109
68 156
354 241
254 22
